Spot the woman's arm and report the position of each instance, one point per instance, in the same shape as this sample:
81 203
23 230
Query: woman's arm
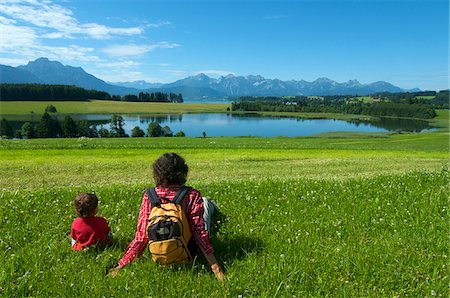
140 241
215 267
194 215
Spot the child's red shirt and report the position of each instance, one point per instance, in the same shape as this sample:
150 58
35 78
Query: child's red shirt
89 231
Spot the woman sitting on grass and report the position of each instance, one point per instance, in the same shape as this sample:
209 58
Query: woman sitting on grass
170 172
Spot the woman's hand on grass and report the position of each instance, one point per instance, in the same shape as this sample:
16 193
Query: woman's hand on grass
114 272
218 272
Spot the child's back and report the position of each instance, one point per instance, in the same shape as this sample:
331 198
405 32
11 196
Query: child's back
88 229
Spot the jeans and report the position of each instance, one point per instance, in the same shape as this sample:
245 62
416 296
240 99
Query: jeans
209 208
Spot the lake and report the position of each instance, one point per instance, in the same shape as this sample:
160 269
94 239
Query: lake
194 125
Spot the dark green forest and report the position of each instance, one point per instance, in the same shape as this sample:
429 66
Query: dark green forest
35 92
42 92
411 105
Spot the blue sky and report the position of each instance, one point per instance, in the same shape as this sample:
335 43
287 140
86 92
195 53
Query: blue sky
400 41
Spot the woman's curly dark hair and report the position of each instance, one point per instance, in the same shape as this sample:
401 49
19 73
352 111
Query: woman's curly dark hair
85 204
170 168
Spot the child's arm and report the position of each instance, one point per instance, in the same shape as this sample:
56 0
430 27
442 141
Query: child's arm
107 230
73 236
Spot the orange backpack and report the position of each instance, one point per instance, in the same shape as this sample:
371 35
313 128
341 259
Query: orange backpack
168 229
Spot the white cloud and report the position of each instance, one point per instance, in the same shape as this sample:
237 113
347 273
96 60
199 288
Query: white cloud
119 64
28 28
174 72
16 36
6 21
13 61
30 51
70 53
215 73
45 14
24 43
55 35
166 45
159 24
103 32
118 75
137 50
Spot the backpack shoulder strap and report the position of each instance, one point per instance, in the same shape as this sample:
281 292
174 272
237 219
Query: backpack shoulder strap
153 196
181 194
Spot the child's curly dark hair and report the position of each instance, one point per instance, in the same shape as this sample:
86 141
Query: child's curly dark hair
85 204
170 168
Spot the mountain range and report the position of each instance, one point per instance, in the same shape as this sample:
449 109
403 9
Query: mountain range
44 71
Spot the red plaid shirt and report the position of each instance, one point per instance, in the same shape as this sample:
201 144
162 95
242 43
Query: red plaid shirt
192 204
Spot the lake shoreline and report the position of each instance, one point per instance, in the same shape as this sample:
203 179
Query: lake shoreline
101 110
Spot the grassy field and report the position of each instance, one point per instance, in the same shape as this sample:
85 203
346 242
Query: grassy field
339 215
442 119
67 162
13 110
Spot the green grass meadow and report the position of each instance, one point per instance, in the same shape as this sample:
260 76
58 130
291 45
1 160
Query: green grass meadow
337 215
26 110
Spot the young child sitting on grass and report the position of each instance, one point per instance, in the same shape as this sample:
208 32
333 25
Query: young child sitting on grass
88 229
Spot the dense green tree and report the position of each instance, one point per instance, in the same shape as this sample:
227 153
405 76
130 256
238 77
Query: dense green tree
50 109
144 96
18 133
27 131
175 97
103 132
86 130
47 127
161 97
6 129
154 130
69 127
167 132
137 132
48 92
130 97
116 125
180 134
405 107
442 99
41 92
